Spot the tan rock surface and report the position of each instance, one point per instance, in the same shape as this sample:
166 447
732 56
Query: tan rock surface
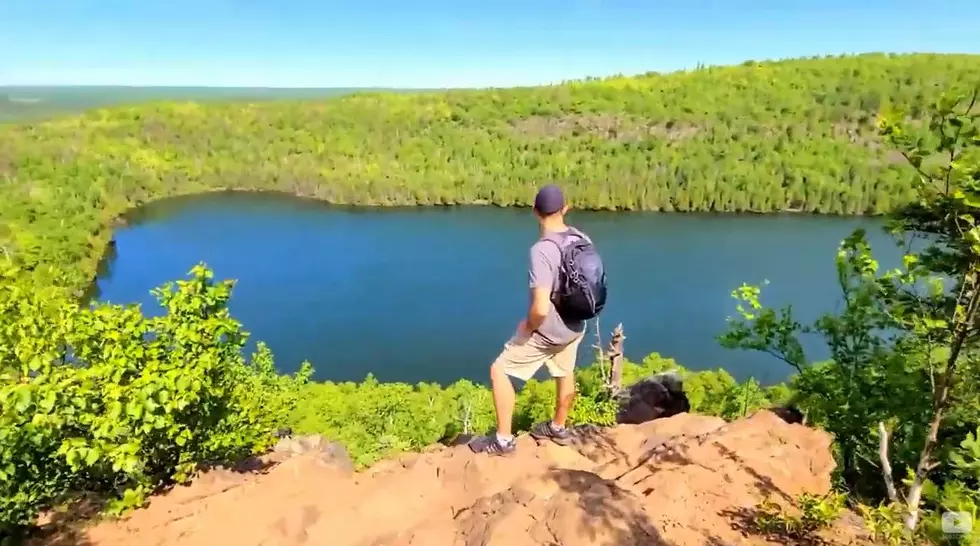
685 480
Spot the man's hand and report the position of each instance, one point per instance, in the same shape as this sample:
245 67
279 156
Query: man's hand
538 310
523 332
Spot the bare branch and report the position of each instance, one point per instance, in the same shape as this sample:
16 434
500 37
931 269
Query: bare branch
886 465
616 357
600 352
952 151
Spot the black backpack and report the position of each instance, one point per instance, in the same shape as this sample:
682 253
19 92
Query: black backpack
581 292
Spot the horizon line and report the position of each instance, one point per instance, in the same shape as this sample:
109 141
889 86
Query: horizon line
699 65
206 86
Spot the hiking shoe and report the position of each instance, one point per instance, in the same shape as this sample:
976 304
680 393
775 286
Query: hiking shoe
545 430
492 446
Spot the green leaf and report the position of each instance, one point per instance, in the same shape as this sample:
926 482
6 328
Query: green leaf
24 399
92 456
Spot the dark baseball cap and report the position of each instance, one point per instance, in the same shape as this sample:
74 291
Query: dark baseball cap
549 200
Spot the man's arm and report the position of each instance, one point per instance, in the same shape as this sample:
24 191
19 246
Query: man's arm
541 275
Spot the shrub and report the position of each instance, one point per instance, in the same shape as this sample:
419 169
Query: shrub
813 513
376 420
107 400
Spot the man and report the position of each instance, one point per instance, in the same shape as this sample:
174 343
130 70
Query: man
544 337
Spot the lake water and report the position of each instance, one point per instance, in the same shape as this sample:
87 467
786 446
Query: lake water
431 294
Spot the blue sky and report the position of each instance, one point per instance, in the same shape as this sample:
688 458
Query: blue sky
442 43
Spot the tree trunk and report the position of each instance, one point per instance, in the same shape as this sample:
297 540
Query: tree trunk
940 395
886 465
925 461
615 354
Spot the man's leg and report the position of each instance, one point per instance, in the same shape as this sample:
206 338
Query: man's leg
503 399
564 399
516 360
562 369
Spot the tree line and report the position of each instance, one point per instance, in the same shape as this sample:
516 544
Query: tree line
794 135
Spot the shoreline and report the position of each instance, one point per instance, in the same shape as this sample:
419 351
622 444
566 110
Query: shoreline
105 235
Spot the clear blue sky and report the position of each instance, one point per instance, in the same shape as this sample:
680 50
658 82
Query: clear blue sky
444 43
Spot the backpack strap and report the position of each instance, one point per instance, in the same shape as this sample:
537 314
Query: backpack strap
562 238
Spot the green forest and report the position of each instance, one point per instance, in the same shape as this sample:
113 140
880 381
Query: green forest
102 400
794 135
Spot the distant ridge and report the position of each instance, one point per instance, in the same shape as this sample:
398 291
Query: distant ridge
27 103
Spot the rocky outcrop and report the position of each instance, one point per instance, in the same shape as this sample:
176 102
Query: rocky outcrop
655 397
683 480
327 451
790 414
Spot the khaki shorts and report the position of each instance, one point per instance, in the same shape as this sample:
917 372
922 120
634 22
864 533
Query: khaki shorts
522 360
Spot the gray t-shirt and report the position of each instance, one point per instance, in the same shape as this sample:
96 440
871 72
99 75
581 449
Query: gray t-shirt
543 272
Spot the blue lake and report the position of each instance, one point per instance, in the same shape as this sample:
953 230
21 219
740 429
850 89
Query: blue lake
431 294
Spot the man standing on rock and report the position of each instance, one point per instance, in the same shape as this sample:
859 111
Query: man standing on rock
568 287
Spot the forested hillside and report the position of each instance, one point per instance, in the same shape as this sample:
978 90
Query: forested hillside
776 136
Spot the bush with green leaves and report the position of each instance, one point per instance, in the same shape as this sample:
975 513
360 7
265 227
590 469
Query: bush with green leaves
376 420
900 392
710 392
959 492
810 514
110 401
